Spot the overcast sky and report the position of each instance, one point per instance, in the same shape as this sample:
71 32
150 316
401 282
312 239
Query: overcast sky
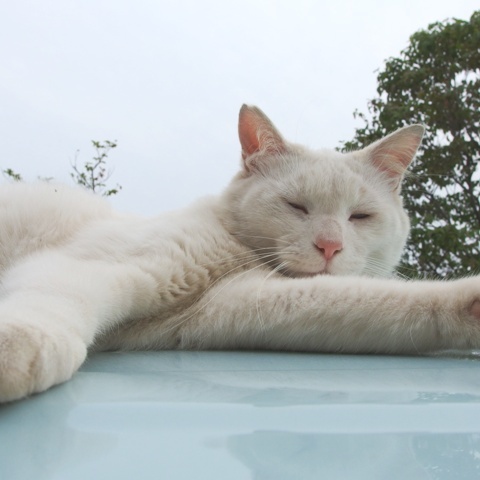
166 80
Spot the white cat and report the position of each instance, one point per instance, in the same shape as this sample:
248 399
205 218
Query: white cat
285 259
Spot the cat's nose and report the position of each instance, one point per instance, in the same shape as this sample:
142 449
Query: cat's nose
328 248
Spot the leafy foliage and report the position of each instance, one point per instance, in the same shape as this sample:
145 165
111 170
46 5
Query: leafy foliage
436 81
93 175
12 175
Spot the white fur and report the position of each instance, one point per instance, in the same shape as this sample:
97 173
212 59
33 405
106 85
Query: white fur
244 270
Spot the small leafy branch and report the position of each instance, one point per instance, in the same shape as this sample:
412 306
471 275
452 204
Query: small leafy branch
93 175
12 175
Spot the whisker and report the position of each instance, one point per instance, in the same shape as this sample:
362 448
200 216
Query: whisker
257 302
183 320
377 268
400 276
251 253
261 237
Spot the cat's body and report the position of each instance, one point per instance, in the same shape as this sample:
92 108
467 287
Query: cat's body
285 258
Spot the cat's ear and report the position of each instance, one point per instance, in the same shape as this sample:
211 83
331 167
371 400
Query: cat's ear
393 154
258 136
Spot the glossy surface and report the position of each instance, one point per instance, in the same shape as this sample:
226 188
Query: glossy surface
216 415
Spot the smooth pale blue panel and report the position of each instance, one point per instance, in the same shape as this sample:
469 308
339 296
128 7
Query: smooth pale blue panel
250 415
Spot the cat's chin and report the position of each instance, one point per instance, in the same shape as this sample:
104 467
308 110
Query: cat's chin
299 274
314 274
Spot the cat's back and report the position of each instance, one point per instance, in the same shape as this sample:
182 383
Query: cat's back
38 215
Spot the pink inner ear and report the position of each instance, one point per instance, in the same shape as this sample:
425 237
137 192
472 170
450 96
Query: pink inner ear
257 133
395 152
247 131
392 162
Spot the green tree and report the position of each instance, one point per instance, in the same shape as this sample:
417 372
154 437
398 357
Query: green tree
436 81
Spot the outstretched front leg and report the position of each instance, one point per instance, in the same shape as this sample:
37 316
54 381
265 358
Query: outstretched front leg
51 309
337 314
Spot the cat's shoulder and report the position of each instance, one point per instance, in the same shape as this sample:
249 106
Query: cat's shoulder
43 189
42 197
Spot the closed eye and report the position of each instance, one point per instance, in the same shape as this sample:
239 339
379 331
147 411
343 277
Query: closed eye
359 216
298 207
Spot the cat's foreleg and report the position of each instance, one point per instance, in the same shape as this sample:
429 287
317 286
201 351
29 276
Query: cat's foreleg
335 314
51 309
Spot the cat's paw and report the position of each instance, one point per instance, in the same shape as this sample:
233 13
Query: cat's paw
459 313
467 291
33 359
474 309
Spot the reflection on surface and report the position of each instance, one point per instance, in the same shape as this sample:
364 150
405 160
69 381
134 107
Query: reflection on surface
256 415
37 442
287 456
449 456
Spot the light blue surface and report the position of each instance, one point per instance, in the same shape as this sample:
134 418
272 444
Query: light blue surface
263 416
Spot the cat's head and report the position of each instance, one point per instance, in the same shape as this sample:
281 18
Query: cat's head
320 212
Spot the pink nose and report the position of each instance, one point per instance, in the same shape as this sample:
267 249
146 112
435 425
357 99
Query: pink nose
328 248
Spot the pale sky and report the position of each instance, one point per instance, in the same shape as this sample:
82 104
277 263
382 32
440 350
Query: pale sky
166 80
